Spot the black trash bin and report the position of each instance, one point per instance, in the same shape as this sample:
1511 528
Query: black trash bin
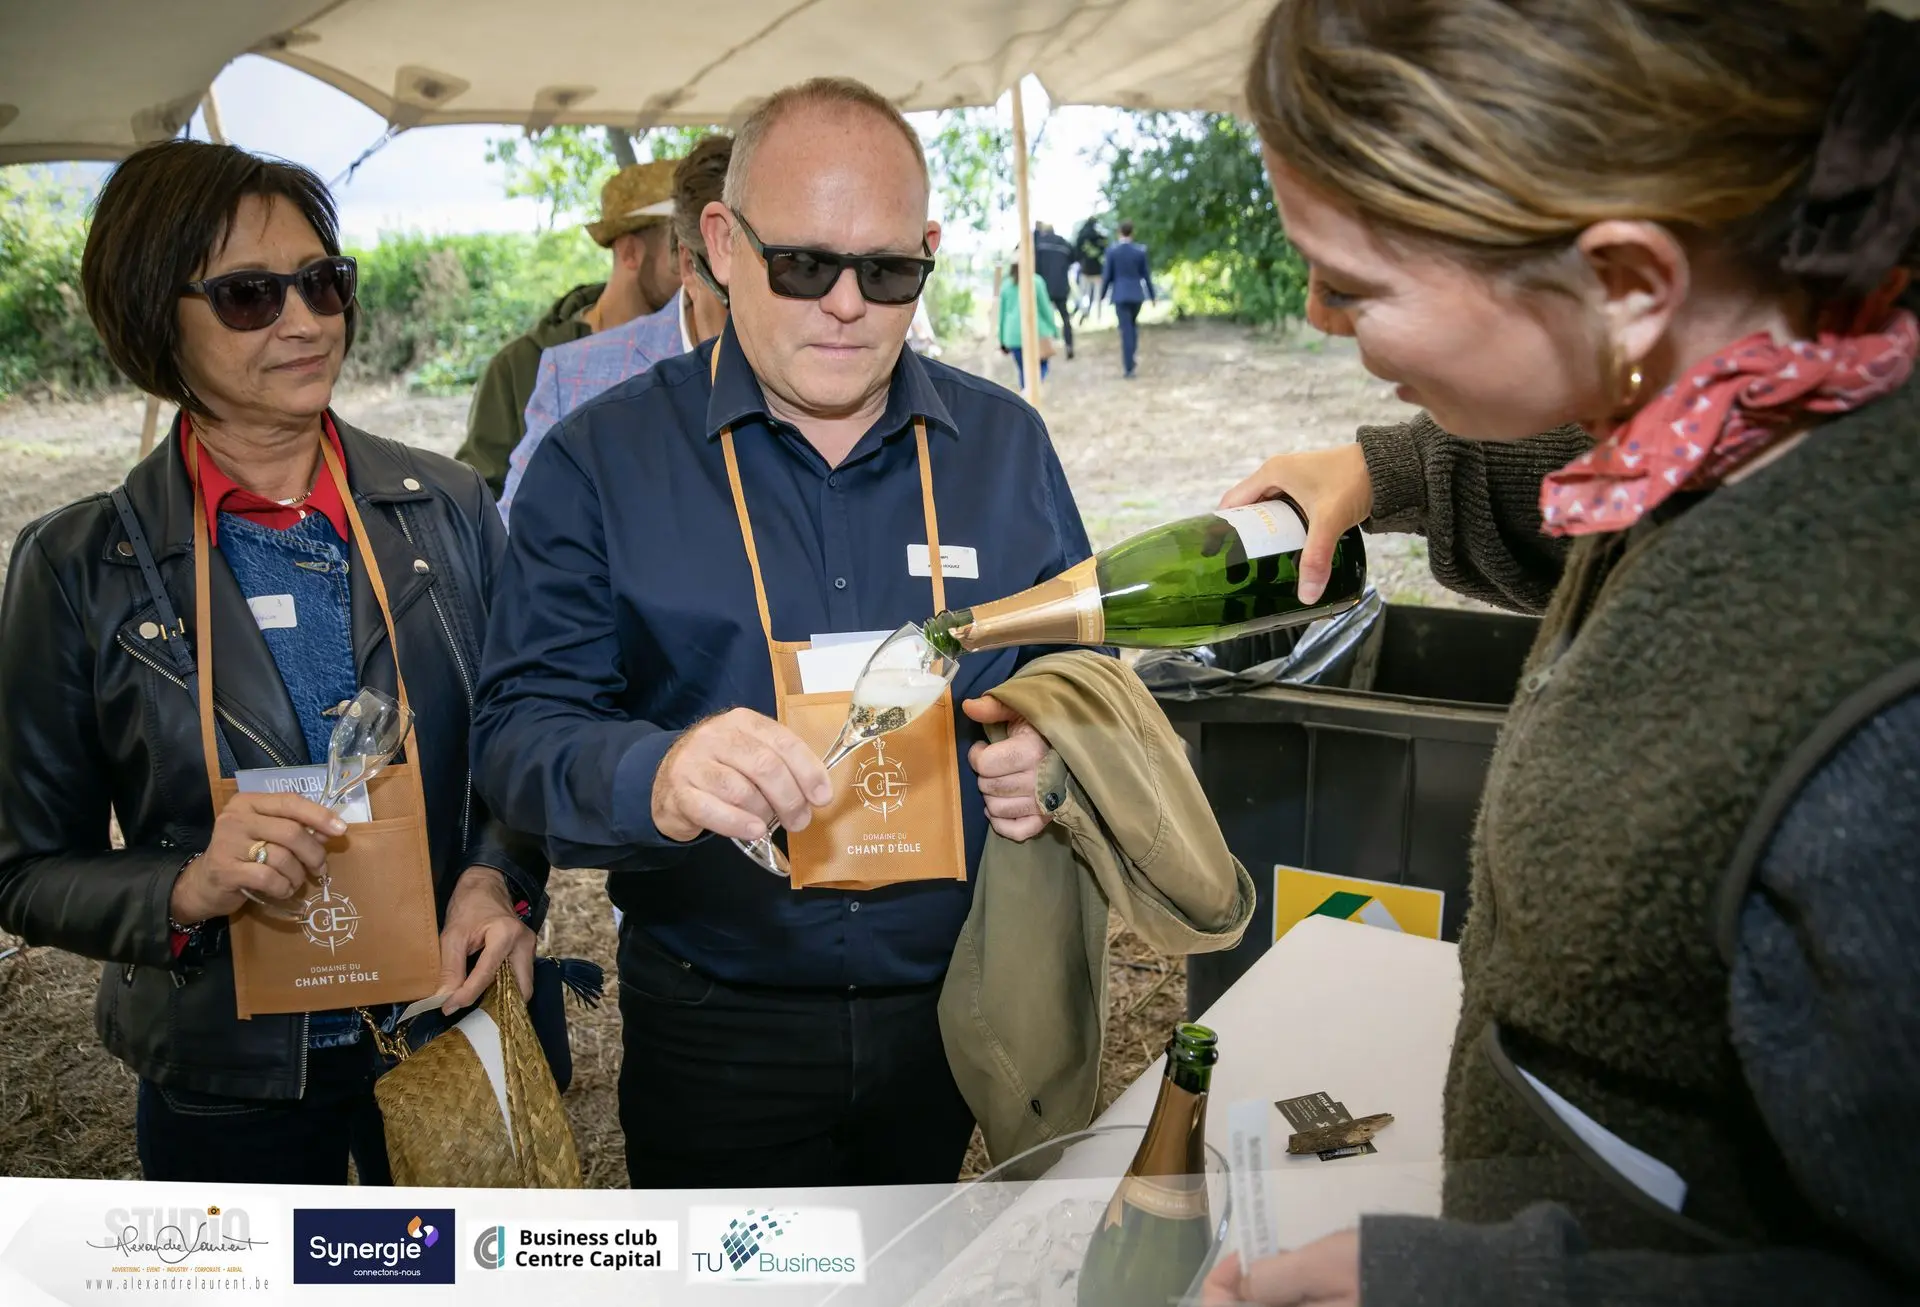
1381 782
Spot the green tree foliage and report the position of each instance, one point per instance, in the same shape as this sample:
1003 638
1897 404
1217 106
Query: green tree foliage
434 309
1195 190
46 339
565 167
971 159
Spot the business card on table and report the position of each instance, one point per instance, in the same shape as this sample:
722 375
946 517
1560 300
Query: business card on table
1250 1152
1315 1110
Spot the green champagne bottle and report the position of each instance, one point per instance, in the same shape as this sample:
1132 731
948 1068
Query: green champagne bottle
1154 1238
1192 582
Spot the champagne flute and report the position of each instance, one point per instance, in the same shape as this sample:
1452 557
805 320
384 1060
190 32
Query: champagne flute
367 737
905 676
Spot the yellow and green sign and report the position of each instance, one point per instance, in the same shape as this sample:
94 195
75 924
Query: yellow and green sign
1299 894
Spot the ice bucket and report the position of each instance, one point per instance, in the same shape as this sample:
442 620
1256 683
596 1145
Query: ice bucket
1016 1236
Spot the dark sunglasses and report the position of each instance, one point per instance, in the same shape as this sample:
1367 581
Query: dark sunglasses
252 299
704 272
800 273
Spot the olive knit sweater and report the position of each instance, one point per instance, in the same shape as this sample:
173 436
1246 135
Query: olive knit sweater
1784 1044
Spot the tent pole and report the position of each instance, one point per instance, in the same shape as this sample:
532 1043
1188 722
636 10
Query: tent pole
150 425
1029 312
210 110
150 422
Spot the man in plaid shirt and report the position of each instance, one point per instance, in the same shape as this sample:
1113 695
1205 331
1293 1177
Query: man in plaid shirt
573 373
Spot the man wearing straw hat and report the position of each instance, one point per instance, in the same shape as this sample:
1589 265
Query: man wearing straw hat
571 374
636 223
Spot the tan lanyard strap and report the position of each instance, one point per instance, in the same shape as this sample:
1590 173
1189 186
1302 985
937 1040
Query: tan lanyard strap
203 602
746 530
363 540
746 521
203 623
933 522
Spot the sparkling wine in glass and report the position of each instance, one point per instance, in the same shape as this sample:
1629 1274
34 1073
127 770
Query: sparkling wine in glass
905 676
367 737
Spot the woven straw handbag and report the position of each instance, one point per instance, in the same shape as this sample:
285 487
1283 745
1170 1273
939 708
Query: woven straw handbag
477 1107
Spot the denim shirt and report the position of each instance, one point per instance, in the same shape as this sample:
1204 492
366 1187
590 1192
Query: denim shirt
306 564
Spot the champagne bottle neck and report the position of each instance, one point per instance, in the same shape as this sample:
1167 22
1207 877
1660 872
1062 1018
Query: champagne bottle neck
1175 1143
1064 610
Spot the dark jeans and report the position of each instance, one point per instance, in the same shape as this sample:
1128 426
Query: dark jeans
1020 368
185 1135
724 1087
1129 334
1066 321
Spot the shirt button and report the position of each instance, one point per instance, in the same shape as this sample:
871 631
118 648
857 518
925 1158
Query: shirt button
839 582
411 484
420 565
854 906
833 482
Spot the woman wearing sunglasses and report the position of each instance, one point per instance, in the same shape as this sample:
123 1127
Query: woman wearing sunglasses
332 560
1688 1056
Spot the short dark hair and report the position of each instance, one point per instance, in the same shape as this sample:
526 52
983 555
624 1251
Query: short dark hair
160 218
698 182
1126 230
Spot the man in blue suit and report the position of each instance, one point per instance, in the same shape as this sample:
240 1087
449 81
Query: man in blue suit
1127 278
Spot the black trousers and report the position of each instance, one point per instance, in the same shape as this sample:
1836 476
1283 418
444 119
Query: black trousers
724 1088
185 1135
1061 312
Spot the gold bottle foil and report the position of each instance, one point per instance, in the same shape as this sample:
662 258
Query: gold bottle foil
1065 610
1168 1176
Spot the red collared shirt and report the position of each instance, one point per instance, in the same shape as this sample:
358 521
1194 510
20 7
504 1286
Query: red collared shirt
222 495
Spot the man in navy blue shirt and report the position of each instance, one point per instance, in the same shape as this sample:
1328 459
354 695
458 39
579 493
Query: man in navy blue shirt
1127 278
627 707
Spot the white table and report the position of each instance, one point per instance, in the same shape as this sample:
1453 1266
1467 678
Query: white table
1366 1015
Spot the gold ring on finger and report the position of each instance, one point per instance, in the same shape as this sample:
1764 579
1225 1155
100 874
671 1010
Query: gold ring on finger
257 852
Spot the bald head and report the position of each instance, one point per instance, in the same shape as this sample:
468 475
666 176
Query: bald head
837 107
827 166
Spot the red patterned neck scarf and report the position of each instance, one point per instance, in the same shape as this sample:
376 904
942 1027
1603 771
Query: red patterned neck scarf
1727 410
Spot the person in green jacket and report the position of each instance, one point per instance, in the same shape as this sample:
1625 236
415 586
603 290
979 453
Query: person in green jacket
636 213
1010 325
1655 275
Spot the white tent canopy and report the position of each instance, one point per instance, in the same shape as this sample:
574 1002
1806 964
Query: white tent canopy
95 79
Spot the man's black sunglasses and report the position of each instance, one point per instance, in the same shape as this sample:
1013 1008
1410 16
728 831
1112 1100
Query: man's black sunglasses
252 299
800 273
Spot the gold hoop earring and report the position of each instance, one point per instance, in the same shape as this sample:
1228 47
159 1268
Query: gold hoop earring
1628 381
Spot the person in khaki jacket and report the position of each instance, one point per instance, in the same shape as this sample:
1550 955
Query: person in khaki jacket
635 226
1023 1011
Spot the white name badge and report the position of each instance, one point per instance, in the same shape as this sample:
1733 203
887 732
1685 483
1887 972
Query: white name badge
274 612
307 782
961 561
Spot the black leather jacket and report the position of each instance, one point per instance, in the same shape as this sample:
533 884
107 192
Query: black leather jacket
94 721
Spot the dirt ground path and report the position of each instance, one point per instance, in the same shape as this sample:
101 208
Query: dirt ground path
1211 400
